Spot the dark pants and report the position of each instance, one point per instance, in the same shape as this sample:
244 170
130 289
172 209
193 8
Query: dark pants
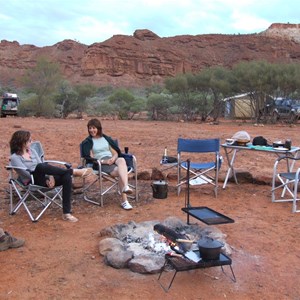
62 177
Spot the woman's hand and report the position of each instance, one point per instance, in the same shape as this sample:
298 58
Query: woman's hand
109 161
50 182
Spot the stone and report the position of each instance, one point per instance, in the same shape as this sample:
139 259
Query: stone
157 174
110 244
147 264
118 259
144 175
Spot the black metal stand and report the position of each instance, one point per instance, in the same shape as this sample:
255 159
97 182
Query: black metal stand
182 264
202 213
187 200
208 216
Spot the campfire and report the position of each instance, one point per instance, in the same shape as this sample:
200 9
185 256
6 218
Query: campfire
142 247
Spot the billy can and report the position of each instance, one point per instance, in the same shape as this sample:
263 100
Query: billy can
160 189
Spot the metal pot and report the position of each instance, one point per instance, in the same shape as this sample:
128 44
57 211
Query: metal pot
160 189
278 144
209 248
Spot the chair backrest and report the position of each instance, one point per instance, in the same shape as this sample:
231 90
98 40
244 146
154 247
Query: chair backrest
37 146
128 157
80 147
198 146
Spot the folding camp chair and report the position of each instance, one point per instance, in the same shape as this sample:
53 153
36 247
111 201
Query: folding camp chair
285 182
206 171
95 190
42 196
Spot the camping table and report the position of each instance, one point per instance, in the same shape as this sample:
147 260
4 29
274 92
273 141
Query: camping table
180 264
167 166
233 150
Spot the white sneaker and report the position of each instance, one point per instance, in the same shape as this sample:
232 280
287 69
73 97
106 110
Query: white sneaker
126 205
70 218
127 190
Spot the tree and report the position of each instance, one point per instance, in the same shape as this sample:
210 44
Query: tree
182 92
84 91
122 100
257 77
43 80
218 81
66 99
158 105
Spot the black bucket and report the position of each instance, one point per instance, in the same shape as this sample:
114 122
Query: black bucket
160 189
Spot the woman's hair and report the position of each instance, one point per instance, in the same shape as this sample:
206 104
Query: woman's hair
18 140
95 123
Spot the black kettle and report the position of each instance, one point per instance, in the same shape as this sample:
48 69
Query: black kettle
160 189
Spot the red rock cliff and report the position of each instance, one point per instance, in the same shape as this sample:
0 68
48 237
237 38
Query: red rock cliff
145 58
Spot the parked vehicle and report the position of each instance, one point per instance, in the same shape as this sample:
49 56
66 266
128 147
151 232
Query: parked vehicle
9 105
287 109
281 109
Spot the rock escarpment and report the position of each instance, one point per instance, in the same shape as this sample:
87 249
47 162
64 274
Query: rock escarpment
145 58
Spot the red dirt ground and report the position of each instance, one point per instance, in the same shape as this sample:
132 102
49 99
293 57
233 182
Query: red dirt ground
60 260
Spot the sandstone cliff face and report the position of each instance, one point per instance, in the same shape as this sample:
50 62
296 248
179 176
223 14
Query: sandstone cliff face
15 59
145 58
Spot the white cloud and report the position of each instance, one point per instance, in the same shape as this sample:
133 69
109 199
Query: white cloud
88 29
4 17
243 22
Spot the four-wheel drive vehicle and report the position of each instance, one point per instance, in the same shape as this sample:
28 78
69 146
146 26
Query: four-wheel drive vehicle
286 109
9 105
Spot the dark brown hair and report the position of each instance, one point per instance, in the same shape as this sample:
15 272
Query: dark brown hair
18 140
95 123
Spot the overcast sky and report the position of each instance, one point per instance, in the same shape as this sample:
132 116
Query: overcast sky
47 22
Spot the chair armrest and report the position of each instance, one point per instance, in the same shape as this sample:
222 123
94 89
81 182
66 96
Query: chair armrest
12 168
17 168
287 157
67 165
89 159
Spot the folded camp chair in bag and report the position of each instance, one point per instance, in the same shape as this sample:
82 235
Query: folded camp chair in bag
94 190
205 171
285 182
34 198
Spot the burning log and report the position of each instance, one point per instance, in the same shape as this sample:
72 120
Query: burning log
168 233
172 237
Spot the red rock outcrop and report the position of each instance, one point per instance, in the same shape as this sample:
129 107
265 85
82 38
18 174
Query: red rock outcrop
145 58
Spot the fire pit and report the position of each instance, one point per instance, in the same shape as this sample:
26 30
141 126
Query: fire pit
140 248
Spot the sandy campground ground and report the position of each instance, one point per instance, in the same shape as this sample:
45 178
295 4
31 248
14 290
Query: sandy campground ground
61 260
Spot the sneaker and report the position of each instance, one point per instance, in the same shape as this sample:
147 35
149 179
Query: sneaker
70 218
126 205
127 190
7 241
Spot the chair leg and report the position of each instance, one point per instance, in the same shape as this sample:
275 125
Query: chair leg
295 199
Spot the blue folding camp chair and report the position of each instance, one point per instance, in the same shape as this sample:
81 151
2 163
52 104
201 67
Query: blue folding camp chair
205 171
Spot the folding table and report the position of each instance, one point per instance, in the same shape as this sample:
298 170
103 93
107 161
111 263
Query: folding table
232 150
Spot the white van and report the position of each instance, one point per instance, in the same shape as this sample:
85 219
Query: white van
9 105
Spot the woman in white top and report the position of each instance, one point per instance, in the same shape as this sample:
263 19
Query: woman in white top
102 147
